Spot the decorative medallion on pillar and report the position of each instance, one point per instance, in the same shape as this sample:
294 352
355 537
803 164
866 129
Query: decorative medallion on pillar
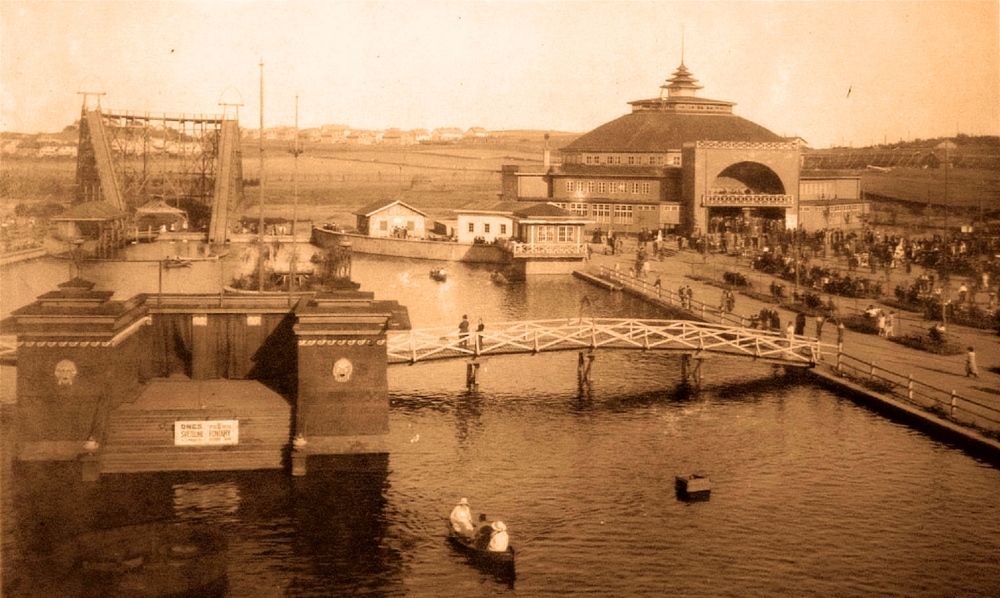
65 372
342 370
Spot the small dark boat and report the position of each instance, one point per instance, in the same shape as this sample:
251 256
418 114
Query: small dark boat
498 278
176 263
693 487
439 274
500 564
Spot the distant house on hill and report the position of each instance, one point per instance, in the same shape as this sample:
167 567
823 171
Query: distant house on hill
447 134
396 137
334 133
391 219
476 133
420 135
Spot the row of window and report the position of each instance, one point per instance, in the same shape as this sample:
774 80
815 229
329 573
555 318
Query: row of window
486 228
840 208
631 160
554 233
605 187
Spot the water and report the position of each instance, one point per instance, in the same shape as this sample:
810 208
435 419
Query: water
811 495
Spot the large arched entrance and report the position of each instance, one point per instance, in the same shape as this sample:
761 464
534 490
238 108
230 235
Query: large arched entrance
746 198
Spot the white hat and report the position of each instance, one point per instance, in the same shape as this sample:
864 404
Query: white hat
464 501
499 526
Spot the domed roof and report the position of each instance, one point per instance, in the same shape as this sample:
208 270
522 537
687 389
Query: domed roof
662 131
667 123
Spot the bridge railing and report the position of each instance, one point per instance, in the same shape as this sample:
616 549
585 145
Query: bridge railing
605 333
905 388
709 313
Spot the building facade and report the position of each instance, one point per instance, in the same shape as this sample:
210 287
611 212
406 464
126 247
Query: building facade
391 219
677 162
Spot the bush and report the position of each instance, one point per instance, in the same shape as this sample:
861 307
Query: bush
862 324
736 279
926 343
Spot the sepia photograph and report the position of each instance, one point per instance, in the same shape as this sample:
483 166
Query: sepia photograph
459 298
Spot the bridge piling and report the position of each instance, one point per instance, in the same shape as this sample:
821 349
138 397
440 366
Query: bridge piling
583 365
472 375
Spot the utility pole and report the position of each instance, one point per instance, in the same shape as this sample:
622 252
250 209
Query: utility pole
260 223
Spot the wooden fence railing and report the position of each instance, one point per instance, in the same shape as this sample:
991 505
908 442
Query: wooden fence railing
906 388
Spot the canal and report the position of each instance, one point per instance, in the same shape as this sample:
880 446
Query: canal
811 494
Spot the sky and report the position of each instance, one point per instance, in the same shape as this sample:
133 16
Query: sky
834 73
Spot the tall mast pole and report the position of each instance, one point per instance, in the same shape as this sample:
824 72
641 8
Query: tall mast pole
260 223
295 201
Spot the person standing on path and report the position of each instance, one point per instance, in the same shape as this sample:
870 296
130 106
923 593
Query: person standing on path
840 333
970 364
890 325
463 331
820 320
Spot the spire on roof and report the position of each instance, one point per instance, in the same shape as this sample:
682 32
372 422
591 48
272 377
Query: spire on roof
681 84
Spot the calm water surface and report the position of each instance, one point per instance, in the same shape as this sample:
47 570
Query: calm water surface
811 495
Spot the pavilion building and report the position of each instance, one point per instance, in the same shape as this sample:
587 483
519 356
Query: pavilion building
681 163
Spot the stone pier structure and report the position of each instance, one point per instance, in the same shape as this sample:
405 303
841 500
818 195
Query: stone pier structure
200 382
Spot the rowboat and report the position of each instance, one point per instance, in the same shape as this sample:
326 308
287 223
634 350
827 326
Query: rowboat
176 263
439 274
500 564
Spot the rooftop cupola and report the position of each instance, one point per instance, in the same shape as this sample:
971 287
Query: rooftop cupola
682 84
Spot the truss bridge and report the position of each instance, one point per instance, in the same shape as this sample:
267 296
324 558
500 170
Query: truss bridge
678 336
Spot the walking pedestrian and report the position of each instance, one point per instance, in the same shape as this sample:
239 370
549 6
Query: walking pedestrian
970 364
840 333
890 325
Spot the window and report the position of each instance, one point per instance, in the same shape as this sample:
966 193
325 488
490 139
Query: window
601 212
631 160
411 225
564 234
569 186
623 214
635 187
503 229
486 227
383 225
590 186
602 187
544 233
579 186
622 187
646 188
579 209
676 161
472 227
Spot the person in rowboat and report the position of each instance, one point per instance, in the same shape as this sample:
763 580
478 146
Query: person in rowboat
483 532
498 538
461 518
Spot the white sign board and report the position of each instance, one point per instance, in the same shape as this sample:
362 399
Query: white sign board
210 433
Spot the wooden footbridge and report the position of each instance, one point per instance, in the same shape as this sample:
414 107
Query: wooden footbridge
684 337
